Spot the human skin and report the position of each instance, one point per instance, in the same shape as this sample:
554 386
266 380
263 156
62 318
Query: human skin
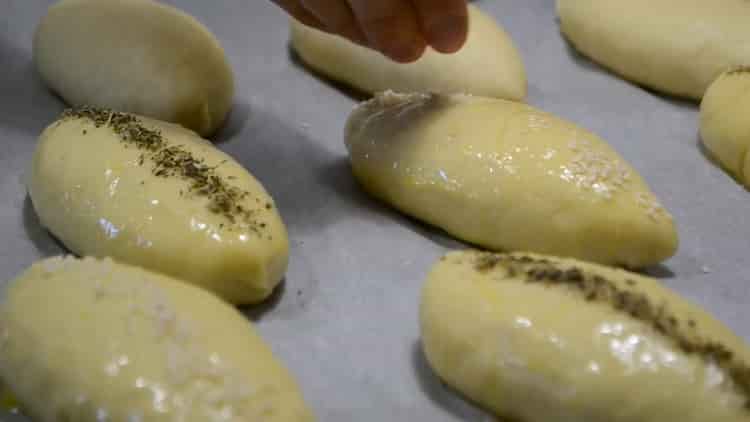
399 29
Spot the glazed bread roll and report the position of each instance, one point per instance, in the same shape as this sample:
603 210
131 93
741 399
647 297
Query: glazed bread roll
137 56
675 46
540 339
725 128
506 176
154 194
488 64
88 340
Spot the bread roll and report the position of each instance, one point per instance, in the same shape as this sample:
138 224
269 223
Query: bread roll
488 64
506 176
89 340
154 194
137 56
725 128
675 46
539 339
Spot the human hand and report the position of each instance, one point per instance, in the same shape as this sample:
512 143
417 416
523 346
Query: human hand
400 29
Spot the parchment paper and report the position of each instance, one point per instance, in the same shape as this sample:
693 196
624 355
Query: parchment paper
345 322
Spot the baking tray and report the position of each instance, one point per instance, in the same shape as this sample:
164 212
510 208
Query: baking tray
345 321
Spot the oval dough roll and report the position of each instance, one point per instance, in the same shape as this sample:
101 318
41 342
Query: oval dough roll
137 56
87 340
488 64
725 128
506 176
540 339
675 46
154 194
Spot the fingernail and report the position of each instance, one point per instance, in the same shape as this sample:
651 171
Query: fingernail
447 34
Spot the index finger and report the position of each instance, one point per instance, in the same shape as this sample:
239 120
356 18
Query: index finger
295 9
445 23
391 26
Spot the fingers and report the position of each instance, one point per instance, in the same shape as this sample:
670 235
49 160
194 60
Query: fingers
337 17
392 27
400 29
297 11
445 23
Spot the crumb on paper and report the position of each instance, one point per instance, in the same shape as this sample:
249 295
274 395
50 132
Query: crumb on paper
706 269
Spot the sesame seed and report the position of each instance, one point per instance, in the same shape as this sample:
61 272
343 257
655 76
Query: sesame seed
595 171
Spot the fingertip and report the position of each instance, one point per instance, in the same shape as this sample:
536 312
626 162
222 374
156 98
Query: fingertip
298 13
355 35
310 21
448 34
407 50
391 27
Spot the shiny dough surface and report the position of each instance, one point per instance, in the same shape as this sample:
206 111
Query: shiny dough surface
725 128
674 46
543 339
89 340
488 64
138 56
166 209
506 176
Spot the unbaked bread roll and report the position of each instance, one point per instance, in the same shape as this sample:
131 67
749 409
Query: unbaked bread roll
725 127
506 176
154 194
87 340
488 64
675 46
540 339
137 56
